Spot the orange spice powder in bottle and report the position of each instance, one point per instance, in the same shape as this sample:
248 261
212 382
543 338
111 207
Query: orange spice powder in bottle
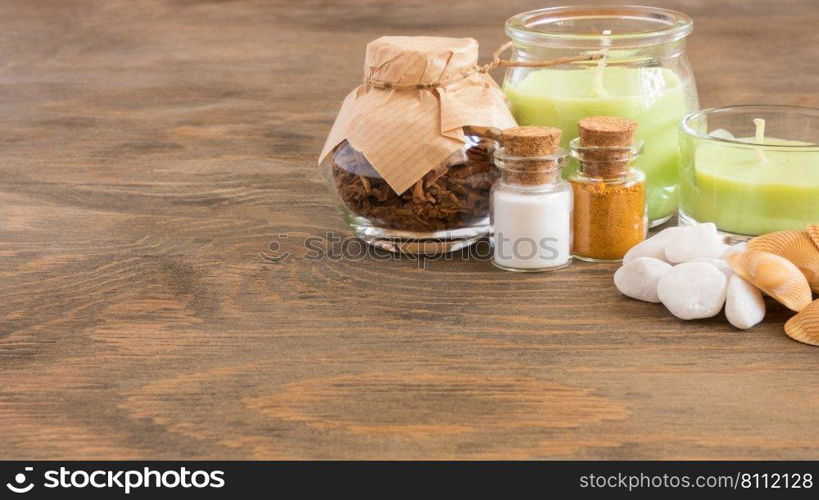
609 196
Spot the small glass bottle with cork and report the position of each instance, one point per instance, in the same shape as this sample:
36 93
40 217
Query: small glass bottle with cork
531 203
609 195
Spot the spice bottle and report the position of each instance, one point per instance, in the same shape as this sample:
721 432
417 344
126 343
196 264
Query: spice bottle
531 203
609 195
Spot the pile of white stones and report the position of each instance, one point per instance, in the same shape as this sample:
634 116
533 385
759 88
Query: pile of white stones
685 269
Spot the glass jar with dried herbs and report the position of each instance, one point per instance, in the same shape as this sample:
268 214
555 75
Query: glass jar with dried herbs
405 158
447 209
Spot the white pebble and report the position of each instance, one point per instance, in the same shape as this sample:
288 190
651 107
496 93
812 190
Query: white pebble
693 290
719 264
694 242
638 279
744 306
732 249
653 247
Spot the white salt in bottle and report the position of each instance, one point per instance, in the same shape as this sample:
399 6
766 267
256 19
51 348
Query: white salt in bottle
531 204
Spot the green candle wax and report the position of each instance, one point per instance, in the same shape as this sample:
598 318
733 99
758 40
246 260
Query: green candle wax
746 194
653 97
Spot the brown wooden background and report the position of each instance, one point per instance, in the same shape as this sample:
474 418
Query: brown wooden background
151 151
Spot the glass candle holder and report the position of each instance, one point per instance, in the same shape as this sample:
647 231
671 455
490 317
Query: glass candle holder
746 182
644 76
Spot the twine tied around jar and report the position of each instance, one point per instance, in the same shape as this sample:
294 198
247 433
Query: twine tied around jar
496 62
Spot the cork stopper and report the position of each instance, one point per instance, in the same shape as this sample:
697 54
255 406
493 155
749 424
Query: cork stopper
614 136
606 131
531 142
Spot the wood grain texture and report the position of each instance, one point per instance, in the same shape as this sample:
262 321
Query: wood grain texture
152 151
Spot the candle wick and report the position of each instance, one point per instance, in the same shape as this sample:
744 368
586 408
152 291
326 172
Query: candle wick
601 65
759 138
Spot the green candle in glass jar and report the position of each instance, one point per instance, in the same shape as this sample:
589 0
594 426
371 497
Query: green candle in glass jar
752 184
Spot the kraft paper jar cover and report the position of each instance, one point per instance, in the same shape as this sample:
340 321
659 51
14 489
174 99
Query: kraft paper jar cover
406 132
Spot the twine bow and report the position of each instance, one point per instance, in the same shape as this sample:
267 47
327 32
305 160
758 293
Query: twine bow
496 62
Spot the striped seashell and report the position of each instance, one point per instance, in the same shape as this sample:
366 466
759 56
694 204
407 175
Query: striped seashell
774 275
804 327
813 231
797 247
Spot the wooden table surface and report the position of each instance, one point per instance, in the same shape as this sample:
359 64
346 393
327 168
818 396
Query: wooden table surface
153 153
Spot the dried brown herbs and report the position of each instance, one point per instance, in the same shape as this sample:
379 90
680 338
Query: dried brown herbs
450 196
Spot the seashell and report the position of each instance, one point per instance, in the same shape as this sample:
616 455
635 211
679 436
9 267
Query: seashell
774 275
813 231
797 247
804 327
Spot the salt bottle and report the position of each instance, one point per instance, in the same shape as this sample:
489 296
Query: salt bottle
531 204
